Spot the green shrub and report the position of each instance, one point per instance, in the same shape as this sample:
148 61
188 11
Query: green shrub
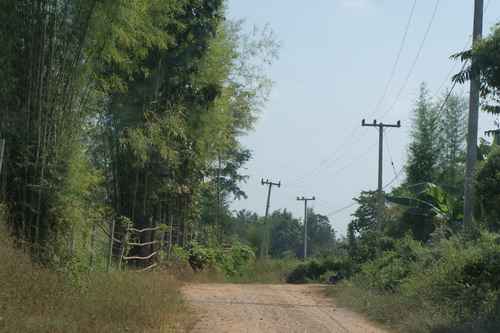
394 266
199 257
465 279
237 260
268 271
452 287
315 269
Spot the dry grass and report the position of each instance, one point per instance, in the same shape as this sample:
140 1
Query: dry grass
35 299
396 312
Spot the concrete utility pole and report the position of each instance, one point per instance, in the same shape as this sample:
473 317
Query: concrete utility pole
470 163
379 194
305 223
263 240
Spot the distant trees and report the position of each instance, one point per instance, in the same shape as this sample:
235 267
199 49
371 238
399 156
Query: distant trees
286 235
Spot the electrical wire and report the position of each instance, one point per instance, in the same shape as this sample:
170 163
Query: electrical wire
337 172
414 61
389 151
396 177
299 180
341 209
329 165
355 203
396 62
463 67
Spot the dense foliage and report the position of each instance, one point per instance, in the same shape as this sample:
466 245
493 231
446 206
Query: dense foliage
125 111
485 58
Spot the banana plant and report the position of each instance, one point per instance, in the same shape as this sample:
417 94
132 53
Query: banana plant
445 206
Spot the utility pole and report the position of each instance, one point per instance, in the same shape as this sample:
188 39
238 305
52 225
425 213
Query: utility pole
263 240
470 163
379 194
305 223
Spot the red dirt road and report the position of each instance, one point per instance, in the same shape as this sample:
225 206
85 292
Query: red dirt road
252 308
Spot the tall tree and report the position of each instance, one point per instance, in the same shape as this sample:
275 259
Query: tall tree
423 151
451 139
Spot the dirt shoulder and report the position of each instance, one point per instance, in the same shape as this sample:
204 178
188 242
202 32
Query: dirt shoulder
249 308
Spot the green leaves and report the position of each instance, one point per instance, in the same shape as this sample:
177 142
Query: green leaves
485 59
444 203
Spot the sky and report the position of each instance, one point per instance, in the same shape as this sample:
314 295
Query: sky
342 61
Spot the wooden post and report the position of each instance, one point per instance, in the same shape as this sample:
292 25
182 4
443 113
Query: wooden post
170 227
92 243
123 247
2 144
111 235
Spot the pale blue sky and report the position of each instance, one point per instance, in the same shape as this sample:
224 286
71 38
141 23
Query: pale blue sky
336 60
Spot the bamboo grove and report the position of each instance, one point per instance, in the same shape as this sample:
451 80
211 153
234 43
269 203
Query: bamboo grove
125 110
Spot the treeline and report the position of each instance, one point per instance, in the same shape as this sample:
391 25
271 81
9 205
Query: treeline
125 111
285 236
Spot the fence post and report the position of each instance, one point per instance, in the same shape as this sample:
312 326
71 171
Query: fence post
111 235
123 248
170 227
2 144
92 243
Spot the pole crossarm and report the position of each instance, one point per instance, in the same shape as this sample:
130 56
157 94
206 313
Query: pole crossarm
380 125
263 240
305 223
379 191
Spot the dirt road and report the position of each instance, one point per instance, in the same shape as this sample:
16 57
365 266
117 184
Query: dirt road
269 308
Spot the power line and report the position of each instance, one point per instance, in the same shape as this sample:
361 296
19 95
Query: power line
336 173
397 97
328 166
414 61
396 62
341 209
396 177
389 151
299 180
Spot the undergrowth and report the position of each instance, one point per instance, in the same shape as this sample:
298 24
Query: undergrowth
452 287
38 299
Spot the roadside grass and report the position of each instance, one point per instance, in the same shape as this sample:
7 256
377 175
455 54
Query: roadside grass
36 299
391 310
